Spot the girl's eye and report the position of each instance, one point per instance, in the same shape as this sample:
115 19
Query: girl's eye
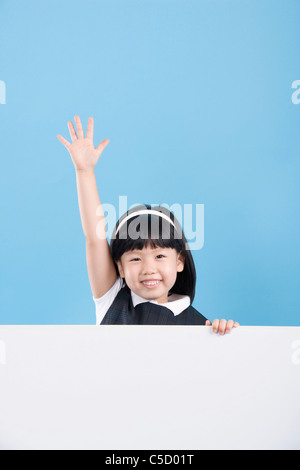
137 259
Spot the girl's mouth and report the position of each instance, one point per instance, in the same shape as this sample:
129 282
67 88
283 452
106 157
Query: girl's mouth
151 284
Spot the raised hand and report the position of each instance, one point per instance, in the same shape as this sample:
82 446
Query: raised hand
83 153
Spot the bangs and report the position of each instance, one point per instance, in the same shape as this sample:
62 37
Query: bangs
141 243
146 230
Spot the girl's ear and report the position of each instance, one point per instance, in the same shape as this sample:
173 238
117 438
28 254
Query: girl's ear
120 268
180 262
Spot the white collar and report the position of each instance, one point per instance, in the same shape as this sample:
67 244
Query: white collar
176 302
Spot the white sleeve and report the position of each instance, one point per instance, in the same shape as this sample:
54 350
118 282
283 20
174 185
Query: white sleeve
103 303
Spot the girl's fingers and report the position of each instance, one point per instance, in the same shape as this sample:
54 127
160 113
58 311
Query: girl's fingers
102 145
72 131
79 127
207 323
215 326
229 326
64 141
222 326
90 129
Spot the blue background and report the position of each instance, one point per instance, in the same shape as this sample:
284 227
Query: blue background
195 97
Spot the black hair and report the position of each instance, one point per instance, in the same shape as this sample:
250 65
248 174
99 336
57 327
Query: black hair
148 229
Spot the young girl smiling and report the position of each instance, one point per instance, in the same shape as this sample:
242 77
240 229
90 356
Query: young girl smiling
147 274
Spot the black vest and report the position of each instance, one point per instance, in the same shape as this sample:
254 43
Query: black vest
122 312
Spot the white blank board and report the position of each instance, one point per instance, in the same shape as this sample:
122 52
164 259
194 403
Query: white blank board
149 387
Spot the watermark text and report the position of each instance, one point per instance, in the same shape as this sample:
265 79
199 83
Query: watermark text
2 92
296 94
190 218
296 354
2 353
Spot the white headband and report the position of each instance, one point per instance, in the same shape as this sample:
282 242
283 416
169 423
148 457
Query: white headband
145 211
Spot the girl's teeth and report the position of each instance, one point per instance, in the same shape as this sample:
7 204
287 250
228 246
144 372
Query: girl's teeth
151 283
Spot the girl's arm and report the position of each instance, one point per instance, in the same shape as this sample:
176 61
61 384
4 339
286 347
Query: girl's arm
101 270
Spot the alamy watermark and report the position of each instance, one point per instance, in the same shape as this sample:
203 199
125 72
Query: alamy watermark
296 94
2 92
189 216
296 354
2 353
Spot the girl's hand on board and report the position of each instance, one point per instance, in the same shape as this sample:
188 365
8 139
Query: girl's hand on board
83 153
222 326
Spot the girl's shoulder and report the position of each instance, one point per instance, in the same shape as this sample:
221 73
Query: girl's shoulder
119 283
103 303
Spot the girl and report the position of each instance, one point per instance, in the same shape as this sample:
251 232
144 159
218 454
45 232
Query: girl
147 274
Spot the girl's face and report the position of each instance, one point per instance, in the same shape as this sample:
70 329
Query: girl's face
151 272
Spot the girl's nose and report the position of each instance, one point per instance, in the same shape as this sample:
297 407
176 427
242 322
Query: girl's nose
148 269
